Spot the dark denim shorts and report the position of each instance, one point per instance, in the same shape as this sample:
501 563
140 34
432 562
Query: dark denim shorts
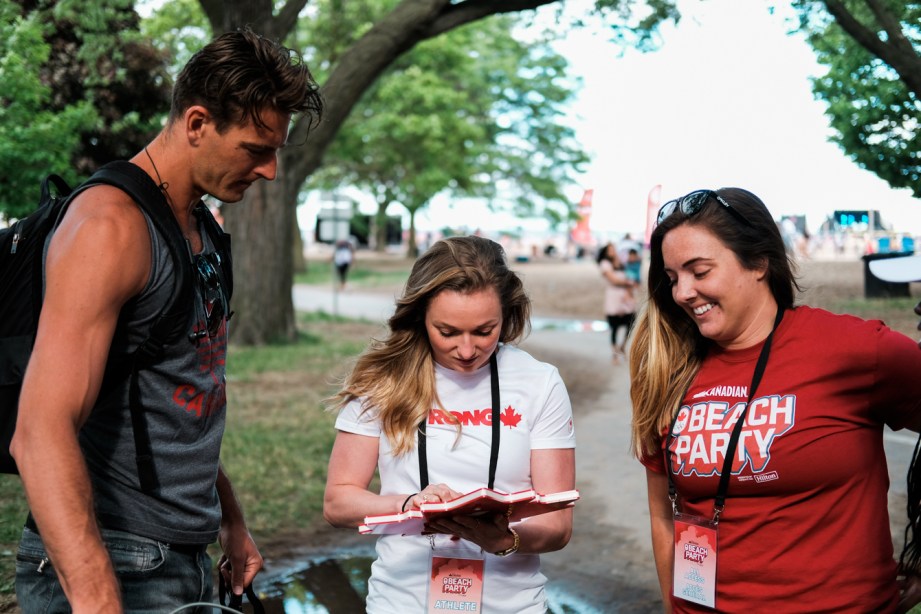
154 577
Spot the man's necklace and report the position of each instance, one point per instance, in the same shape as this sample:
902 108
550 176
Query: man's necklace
164 187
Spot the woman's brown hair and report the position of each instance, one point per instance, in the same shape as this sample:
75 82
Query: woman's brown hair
667 347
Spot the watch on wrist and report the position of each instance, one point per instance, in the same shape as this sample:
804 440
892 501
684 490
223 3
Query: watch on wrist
514 548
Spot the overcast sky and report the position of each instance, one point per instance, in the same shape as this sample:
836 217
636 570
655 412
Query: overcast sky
725 101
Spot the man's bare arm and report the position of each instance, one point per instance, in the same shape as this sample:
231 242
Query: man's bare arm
98 259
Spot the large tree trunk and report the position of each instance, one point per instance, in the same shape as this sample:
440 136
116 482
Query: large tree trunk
412 250
298 259
380 227
262 233
227 15
330 585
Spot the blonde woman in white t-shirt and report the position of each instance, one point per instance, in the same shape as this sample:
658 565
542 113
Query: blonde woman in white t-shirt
462 305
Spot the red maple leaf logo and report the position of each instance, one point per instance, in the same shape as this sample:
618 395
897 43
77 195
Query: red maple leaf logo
509 417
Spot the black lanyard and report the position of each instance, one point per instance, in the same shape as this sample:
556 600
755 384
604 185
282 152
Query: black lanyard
494 448
720 501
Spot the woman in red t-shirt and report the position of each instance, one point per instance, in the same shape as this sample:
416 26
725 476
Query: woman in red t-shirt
760 423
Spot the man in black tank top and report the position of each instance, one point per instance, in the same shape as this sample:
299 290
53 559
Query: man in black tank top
95 531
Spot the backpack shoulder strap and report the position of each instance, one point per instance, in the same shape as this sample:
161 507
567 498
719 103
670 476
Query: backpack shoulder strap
138 184
147 194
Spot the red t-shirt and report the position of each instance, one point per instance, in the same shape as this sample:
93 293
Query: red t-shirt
806 525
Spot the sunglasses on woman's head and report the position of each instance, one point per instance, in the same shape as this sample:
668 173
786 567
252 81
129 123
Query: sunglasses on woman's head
691 204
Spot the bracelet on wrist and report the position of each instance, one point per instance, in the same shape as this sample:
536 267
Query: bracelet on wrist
514 548
403 507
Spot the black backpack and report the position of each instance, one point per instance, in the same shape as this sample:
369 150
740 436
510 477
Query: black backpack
21 288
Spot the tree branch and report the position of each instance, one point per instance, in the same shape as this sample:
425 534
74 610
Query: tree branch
892 26
356 70
885 18
468 11
286 18
866 37
364 61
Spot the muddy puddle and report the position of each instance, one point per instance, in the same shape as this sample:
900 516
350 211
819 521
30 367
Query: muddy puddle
338 585
568 325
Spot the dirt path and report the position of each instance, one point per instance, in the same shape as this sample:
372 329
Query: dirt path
608 562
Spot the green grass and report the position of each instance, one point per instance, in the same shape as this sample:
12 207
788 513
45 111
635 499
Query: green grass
12 514
897 313
278 435
363 273
872 308
315 350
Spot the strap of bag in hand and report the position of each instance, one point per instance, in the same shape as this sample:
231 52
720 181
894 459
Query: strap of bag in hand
236 601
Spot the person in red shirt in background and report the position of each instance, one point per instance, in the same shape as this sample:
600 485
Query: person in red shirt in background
760 423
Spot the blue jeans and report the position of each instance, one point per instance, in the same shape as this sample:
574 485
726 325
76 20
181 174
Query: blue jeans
153 577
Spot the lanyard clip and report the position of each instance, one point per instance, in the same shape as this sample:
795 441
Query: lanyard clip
717 510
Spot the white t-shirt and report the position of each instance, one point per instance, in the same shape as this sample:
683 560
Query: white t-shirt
342 255
535 413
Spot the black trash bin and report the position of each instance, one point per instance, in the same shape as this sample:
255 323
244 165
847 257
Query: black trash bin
874 287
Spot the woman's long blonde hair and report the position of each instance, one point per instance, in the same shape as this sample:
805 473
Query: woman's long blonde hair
395 376
663 363
667 348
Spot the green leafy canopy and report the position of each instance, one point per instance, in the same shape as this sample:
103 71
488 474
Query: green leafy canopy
465 113
35 137
874 114
79 87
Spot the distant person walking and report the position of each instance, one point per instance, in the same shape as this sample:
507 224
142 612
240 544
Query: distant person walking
342 259
619 299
